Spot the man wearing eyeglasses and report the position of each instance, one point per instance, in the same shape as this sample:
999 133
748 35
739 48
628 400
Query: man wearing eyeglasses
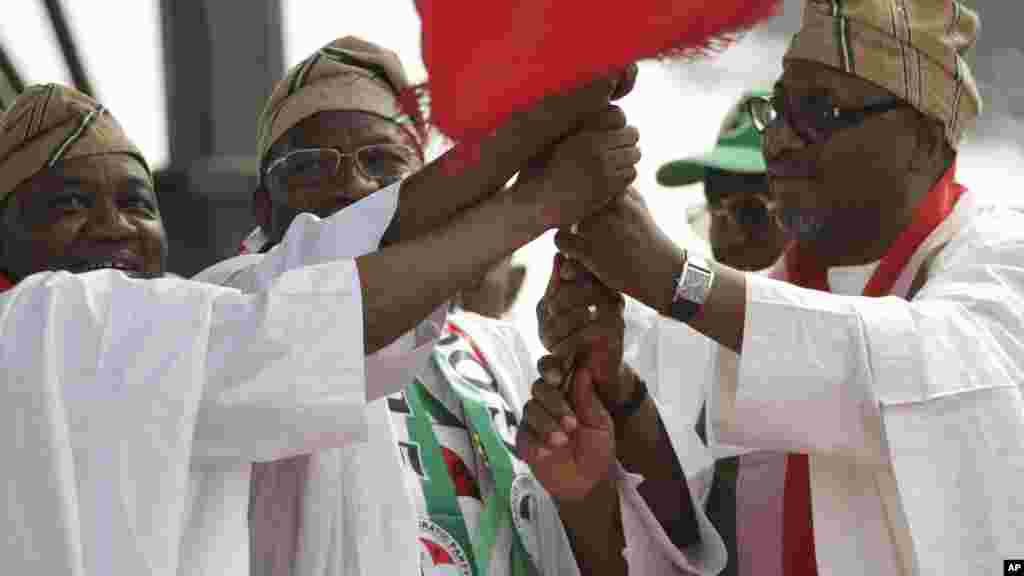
742 230
437 488
871 383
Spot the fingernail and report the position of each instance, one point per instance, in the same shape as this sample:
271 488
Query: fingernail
569 423
559 438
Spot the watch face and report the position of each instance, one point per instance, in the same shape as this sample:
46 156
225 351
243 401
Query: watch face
695 282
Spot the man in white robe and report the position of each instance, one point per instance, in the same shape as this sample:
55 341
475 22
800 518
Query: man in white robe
880 427
430 209
115 377
379 507
120 384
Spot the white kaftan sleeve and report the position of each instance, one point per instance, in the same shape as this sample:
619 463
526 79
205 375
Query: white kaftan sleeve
353 232
111 385
285 367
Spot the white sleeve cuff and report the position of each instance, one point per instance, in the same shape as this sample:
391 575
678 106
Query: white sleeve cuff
649 549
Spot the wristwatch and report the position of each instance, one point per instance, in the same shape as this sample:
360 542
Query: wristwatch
692 286
632 406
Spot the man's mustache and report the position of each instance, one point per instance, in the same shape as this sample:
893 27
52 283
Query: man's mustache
804 225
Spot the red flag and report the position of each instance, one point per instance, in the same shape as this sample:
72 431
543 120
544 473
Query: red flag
488 59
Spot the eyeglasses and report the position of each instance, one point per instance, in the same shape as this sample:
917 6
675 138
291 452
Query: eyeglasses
814 118
745 210
313 167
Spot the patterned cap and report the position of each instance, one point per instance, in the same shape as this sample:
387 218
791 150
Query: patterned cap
49 123
912 48
347 74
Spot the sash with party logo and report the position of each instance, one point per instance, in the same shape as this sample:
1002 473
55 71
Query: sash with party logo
444 525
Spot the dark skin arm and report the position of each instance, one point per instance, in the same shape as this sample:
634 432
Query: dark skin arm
594 528
440 261
582 320
595 523
421 208
569 444
608 245
451 257
644 448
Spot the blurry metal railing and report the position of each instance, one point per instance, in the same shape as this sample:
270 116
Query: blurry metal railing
68 46
10 81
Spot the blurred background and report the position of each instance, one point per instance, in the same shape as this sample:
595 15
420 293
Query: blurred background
188 79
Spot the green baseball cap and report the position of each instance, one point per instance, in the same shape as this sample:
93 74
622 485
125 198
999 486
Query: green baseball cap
738 149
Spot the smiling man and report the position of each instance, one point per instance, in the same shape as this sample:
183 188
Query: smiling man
93 207
132 403
873 383
118 380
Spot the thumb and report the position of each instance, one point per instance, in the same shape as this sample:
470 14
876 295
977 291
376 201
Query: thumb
589 409
575 247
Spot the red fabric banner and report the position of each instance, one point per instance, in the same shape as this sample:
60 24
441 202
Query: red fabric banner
488 59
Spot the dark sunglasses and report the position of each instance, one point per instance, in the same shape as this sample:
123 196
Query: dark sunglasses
746 211
740 199
814 118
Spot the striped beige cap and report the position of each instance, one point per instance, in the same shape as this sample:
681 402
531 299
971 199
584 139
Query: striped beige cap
49 123
912 48
347 74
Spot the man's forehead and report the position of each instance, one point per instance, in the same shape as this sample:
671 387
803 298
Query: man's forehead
111 165
99 170
814 77
337 126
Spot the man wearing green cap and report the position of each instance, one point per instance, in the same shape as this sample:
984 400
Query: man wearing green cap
872 381
742 230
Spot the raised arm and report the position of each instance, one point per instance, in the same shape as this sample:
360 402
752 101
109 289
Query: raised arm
920 385
402 283
525 135
641 503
